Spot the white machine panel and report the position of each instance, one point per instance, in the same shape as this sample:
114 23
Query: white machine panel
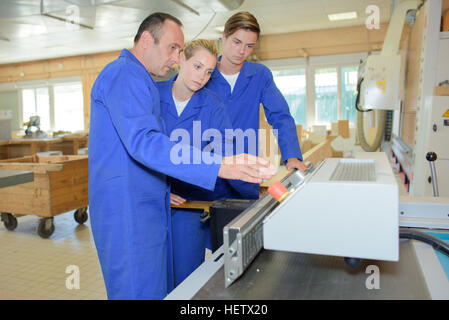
439 126
438 137
340 210
381 82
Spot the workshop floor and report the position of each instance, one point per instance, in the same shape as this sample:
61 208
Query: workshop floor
35 268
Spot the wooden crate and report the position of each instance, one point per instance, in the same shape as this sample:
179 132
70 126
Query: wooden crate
60 185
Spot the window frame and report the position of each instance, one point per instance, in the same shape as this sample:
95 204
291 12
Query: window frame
311 64
341 92
314 69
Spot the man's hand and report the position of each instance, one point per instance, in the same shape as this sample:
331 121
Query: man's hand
295 163
176 200
246 167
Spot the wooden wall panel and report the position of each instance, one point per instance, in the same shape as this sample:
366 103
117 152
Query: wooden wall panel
61 67
322 42
445 6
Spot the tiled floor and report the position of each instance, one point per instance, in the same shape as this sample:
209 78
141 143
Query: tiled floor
35 268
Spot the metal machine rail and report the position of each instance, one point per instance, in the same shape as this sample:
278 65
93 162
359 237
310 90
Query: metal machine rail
243 237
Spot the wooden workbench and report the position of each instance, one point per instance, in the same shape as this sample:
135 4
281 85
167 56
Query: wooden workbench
16 148
22 147
71 143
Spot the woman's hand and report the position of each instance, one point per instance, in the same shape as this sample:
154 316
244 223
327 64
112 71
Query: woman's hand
176 200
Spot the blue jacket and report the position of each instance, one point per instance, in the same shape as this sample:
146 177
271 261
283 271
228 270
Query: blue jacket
129 159
204 111
255 86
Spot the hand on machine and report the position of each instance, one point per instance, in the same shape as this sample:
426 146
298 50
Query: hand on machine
246 167
243 167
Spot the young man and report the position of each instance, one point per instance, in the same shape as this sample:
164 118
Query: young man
129 161
243 86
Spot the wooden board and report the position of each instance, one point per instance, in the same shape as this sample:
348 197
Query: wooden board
343 128
445 24
445 14
268 146
314 155
320 151
201 205
441 91
299 133
306 146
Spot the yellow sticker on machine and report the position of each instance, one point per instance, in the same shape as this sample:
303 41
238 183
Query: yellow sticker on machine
382 85
446 114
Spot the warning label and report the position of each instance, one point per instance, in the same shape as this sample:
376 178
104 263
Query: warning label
446 114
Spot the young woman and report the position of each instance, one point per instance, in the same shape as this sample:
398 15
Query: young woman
188 107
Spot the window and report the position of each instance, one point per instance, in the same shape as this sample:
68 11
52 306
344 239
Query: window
69 114
348 93
320 90
29 104
326 95
59 105
36 101
292 84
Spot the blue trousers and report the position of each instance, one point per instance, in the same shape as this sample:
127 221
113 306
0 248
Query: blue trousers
190 238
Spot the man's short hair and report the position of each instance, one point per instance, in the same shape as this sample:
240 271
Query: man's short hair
241 20
153 24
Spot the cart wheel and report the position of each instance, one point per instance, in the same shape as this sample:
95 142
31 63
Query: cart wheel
9 221
353 262
81 215
45 228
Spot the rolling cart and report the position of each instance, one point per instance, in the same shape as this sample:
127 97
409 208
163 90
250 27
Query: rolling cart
60 185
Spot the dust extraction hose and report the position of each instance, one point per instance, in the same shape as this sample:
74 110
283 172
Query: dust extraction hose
381 121
437 244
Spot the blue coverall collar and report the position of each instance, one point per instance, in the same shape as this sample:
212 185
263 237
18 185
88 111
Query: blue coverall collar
128 54
247 70
167 96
